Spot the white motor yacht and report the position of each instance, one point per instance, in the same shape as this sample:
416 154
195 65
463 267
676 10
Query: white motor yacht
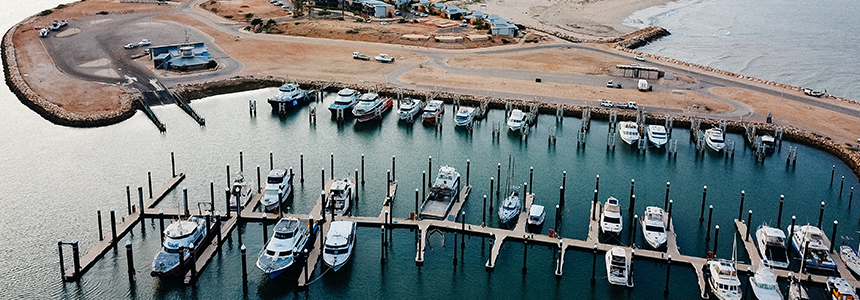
464 117
629 132
178 236
289 95
289 237
517 120
371 106
657 135
618 266
339 242
340 196
241 192
818 254
771 246
839 289
849 257
764 284
510 207
610 219
433 111
714 139
410 108
653 227
724 280
278 189
537 214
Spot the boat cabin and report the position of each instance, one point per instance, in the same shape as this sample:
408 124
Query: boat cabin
286 229
276 176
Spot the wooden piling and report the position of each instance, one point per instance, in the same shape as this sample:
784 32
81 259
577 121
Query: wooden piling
430 167
271 161
416 204
129 260
779 213
749 224
172 164
394 170
710 213
841 184
128 197
632 184
362 169
820 214
833 236
468 167
668 270
244 269
791 232
241 162
258 179
227 200
716 239
498 184
211 195
149 179
62 265
484 213
140 201
99 214
265 230
228 177
113 227
666 201
76 258
741 209
633 232
632 203
704 195
832 172
332 168
531 178
597 183
302 168
184 202
671 216
161 224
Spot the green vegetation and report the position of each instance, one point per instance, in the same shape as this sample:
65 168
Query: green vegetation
61 6
359 20
249 16
401 20
215 10
102 13
256 21
354 30
46 12
228 17
297 23
324 12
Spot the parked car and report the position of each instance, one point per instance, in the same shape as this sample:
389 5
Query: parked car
609 84
144 42
384 23
368 20
621 105
358 55
463 24
397 13
384 58
639 58
605 103
131 46
632 105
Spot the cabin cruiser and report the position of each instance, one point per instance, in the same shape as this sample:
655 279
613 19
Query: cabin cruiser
241 192
653 227
510 207
340 196
610 219
339 242
618 266
465 116
289 95
657 135
714 139
409 108
344 103
370 106
771 246
839 289
537 214
724 280
517 120
442 195
768 142
433 111
179 236
289 237
278 188
849 257
818 255
764 284
629 132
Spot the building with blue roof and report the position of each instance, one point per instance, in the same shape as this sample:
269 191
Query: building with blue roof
182 56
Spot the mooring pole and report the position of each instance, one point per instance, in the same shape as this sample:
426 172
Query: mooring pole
499 176
128 197
632 203
184 201
491 189
749 224
241 162
99 214
484 213
531 178
280 206
362 169
593 263
140 201
76 258
382 245
161 224
332 165
302 168
525 252
632 184
597 182
271 162
468 167
671 215
850 197
791 231
228 175
741 209
217 229
322 178
821 214
62 265
463 230
704 195
710 213
265 230
779 214
832 172
258 179
113 227
227 194
244 269
557 217
564 179
211 195
633 235
129 260
423 185
841 184
716 238
835 223
149 179
172 164
666 201
356 188
668 270
387 185
394 171
416 204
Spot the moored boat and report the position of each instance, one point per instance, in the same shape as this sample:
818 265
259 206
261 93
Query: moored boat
724 280
839 289
849 257
442 195
241 192
278 189
339 243
618 266
344 103
510 207
340 196
371 106
434 110
817 255
409 109
657 135
289 95
289 237
629 132
537 214
464 117
653 227
764 284
180 238
768 142
714 139
771 246
610 219
517 120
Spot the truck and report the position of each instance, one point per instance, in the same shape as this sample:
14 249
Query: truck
384 58
643 85
358 55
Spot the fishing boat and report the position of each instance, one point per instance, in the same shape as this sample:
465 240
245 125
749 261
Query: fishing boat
839 289
289 95
510 207
370 106
517 120
764 284
618 266
409 108
241 192
340 196
714 139
434 110
344 103
180 238
464 117
610 219
771 246
849 257
657 135
653 227
629 132
537 214
442 194
724 280
817 255
278 188
796 291
288 240
339 242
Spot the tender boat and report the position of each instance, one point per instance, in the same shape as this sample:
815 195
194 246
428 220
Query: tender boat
768 142
796 291
465 116
657 135
764 284
714 139
289 237
410 108
339 242
179 235
241 192
839 289
818 255
724 280
370 106
442 195
849 257
610 219
434 110
510 207
629 132
618 266
289 95
340 196
653 227
278 188
344 103
771 246
517 120
537 214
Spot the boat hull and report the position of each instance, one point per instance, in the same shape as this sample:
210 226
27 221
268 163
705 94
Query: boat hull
375 113
347 110
287 103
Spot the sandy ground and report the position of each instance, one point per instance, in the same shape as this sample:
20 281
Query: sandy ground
549 60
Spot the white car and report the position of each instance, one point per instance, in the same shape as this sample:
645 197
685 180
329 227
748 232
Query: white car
605 103
131 46
632 105
639 58
463 24
368 20
384 23
144 42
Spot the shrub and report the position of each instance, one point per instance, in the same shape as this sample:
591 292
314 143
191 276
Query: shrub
213 2
211 64
102 13
359 19
401 21
354 30
248 16
297 23
228 17
257 21
61 6
213 10
46 12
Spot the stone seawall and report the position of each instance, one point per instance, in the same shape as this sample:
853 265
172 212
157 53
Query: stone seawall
47 109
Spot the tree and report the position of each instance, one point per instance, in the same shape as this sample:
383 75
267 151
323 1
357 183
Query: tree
299 6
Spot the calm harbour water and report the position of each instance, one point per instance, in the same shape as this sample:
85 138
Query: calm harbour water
56 177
